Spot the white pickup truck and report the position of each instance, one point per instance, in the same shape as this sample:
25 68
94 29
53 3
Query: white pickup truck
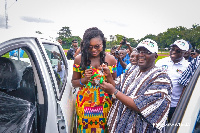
35 87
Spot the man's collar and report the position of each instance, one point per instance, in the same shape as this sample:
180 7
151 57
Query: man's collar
180 62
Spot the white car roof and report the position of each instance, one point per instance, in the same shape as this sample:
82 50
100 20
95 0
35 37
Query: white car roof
8 35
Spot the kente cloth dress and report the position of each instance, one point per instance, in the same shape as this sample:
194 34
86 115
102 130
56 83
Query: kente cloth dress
92 105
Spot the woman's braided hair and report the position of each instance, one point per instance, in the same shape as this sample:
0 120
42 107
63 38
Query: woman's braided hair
85 43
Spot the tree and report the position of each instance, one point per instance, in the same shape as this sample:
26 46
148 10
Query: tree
166 38
66 37
116 39
119 38
111 43
193 36
65 32
133 42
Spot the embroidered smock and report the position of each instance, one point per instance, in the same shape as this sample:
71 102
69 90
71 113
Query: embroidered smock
189 72
92 105
150 91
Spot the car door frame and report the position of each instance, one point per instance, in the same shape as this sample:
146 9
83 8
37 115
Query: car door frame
39 57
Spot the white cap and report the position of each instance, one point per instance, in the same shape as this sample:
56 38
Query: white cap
182 44
149 44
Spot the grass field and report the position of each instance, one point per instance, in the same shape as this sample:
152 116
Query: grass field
160 55
166 53
7 55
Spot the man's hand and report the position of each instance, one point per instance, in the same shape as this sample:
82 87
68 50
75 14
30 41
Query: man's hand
106 70
127 44
107 87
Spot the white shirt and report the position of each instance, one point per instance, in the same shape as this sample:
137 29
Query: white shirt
174 70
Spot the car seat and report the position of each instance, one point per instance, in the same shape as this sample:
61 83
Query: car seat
17 111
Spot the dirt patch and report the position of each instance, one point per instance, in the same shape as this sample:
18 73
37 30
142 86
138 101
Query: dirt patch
162 55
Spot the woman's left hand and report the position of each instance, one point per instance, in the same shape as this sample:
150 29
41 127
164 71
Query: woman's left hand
107 87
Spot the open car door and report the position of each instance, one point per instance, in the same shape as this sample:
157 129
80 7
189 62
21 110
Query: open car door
35 87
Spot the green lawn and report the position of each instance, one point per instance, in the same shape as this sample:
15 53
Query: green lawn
160 57
26 56
6 55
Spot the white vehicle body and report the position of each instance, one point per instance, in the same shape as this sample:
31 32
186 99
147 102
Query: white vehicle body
55 102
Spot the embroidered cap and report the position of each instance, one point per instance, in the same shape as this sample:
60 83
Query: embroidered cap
182 44
149 44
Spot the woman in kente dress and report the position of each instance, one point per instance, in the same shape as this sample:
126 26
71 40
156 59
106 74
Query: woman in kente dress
92 104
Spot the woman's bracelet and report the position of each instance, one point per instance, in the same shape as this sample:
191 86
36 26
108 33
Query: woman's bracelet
80 82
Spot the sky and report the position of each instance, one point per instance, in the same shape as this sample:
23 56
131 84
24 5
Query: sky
130 18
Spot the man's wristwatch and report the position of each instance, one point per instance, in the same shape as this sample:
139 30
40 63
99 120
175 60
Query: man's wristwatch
114 94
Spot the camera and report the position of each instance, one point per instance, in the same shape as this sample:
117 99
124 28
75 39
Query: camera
124 41
116 52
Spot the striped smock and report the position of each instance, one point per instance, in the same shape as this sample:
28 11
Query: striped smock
150 91
189 72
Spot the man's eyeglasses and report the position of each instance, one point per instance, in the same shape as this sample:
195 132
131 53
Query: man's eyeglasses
193 53
144 52
95 47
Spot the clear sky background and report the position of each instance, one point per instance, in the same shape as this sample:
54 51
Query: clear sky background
131 18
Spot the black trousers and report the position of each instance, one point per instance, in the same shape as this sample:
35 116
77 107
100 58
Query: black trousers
171 112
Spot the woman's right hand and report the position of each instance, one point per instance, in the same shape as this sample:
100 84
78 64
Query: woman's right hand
88 74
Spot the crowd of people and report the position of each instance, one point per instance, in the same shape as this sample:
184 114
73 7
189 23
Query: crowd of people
126 90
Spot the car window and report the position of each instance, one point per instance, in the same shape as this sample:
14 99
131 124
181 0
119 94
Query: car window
18 92
57 63
19 61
